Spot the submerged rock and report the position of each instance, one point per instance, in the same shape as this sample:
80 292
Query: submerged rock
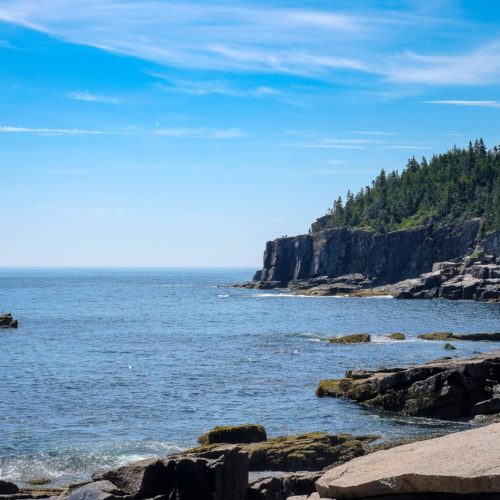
449 347
463 463
477 337
7 321
437 336
446 388
236 434
351 339
396 336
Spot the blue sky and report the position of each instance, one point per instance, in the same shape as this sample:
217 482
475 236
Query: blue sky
163 133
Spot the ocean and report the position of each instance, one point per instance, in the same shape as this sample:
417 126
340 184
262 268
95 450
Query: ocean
112 365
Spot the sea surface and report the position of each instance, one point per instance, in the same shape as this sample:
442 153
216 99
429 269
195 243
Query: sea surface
114 365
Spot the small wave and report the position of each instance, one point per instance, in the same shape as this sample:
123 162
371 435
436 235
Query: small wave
173 285
75 464
293 352
223 296
313 337
264 295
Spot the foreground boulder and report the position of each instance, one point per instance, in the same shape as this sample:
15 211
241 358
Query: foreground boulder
248 433
447 388
457 464
220 474
7 321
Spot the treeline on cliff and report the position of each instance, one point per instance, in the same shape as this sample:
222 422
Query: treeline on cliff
454 186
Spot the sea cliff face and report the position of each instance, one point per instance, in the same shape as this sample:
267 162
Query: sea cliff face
388 258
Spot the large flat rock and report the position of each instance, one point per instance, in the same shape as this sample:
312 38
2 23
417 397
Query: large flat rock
461 463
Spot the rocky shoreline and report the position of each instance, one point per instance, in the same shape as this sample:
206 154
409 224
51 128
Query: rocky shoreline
243 463
475 277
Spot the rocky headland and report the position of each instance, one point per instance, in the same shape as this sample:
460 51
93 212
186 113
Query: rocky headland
445 261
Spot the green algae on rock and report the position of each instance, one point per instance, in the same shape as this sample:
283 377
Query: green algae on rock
307 452
437 336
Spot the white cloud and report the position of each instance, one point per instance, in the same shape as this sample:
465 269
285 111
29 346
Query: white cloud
5 129
90 97
200 133
458 102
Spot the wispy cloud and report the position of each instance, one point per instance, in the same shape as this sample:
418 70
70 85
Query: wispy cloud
5 44
409 147
458 102
201 133
90 97
5 129
373 132
218 87
322 42
62 171
478 67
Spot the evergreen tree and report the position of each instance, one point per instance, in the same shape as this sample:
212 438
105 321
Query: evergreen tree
454 186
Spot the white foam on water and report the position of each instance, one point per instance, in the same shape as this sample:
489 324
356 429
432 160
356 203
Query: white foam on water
223 296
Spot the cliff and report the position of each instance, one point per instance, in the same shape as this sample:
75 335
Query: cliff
388 258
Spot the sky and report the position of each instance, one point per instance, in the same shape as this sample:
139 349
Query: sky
189 133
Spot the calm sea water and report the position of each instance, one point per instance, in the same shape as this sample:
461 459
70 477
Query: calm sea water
110 366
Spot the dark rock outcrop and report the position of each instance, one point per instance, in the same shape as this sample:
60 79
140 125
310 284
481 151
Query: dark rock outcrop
235 434
283 486
220 474
7 321
445 389
389 257
8 488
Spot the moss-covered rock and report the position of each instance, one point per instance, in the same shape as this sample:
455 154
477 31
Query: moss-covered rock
397 336
449 347
437 336
351 339
234 434
305 452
